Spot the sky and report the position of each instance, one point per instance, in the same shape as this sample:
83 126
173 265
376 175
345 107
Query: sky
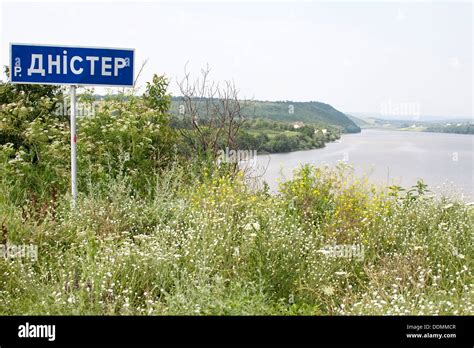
369 57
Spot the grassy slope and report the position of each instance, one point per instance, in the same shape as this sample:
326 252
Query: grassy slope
217 247
308 112
272 133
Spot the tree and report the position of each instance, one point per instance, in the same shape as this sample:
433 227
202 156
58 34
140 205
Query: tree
21 104
214 112
155 96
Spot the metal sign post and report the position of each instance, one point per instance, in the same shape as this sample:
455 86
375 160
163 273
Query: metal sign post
73 146
74 66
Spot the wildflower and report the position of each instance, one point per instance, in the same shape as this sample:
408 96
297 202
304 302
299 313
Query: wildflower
252 226
328 290
248 227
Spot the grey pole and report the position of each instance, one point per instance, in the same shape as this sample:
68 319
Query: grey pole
73 146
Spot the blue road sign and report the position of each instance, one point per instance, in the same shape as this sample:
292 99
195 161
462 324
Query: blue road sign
64 65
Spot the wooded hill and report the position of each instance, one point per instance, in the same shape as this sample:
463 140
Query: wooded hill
311 113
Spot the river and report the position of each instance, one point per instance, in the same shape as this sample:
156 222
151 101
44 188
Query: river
444 161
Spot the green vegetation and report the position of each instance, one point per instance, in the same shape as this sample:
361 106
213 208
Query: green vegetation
285 126
160 228
312 113
270 136
461 127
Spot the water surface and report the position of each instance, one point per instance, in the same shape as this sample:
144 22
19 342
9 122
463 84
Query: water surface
443 161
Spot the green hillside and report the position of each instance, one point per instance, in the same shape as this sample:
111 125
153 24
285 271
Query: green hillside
308 112
312 113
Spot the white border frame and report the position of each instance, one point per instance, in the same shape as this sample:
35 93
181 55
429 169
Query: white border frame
71 84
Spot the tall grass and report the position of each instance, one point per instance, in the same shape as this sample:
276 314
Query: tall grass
208 244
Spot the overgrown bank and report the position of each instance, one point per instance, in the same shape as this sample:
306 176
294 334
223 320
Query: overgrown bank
160 228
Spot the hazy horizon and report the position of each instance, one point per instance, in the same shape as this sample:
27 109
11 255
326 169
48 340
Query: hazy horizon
357 57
